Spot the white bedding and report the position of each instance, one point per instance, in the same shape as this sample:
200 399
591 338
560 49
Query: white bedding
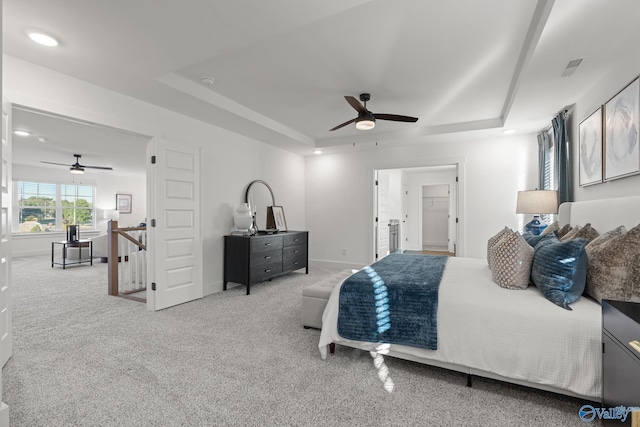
516 335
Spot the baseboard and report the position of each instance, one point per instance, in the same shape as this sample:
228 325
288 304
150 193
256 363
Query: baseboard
335 264
212 288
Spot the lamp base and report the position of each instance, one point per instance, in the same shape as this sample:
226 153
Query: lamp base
535 226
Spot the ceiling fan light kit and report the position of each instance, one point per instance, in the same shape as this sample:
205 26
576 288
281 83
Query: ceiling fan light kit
76 170
366 120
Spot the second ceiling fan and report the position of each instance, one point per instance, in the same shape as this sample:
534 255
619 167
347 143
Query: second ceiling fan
366 119
77 168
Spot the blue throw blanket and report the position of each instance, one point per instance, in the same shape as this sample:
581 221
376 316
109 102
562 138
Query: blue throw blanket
394 300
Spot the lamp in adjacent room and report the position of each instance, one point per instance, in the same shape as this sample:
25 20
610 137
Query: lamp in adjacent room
537 202
111 214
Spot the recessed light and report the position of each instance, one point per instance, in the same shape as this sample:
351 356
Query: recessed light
21 133
42 38
508 131
207 81
317 151
43 140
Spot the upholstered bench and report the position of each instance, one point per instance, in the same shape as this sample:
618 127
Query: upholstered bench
316 296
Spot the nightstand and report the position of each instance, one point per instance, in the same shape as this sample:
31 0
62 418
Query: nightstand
621 357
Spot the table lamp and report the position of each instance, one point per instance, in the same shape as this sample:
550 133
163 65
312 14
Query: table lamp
537 202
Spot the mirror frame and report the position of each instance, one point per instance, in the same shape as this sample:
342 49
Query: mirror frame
259 181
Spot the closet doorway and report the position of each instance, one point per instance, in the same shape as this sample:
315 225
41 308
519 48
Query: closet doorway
435 218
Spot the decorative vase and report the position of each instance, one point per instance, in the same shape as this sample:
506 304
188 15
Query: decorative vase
253 228
243 218
535 226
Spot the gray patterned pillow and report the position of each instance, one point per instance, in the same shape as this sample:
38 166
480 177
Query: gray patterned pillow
493 241
512 261
587 232
570 234
563 230
551 228
613 270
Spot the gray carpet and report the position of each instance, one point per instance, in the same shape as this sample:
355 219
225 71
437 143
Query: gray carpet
83 358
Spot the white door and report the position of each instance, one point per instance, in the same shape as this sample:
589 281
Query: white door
453 217
6 342
175 267
404 226
382 215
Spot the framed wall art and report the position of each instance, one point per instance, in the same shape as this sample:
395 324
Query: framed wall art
123 203
622 120
278 218
590 147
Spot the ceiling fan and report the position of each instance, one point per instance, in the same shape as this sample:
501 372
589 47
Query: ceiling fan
77 168
366 119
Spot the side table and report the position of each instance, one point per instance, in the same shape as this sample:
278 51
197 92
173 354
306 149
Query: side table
82 243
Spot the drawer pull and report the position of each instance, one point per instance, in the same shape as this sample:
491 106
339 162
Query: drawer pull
296 263
635 344
267 257
296 239
267 244
268 270
295 252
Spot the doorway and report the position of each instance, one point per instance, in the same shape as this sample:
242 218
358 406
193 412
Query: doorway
428 205
435 218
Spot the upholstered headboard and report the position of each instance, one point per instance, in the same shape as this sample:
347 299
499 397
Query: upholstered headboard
603 214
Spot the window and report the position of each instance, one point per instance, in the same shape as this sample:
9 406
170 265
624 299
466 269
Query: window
547 166
46 207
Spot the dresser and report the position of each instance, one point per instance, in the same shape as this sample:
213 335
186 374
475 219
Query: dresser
252 259
621 357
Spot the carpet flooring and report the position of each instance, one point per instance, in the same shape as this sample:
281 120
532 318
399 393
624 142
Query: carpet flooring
83 358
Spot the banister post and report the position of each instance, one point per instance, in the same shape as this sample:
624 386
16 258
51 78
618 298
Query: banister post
112 251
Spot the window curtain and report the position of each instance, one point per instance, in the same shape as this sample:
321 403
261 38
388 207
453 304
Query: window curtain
544 145
563 158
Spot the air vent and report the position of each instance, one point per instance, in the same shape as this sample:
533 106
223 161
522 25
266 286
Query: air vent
571 67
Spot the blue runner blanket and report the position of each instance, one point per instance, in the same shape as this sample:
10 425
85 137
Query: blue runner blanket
394 300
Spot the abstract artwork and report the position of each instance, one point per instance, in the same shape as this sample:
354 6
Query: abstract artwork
622 120
591 149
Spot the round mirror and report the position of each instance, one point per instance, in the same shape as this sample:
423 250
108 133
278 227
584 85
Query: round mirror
259 196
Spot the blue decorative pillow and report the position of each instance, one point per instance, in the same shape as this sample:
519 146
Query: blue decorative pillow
533 240
559 269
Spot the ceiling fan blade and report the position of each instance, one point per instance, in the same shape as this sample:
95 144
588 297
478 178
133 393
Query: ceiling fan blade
52 163
97 167
395 118
355 104
344 124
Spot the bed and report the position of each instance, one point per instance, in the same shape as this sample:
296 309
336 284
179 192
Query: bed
517 336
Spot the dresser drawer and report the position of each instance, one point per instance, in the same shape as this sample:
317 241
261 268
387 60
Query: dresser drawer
265 271
267 243
295 239
266 257
619 320
294 251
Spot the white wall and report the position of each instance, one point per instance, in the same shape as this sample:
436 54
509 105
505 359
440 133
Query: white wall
230 161
340 192
107 185
599 94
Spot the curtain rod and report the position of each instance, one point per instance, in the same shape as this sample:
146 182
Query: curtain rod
548 128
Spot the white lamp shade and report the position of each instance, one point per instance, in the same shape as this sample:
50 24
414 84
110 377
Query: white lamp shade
537 202
111 214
